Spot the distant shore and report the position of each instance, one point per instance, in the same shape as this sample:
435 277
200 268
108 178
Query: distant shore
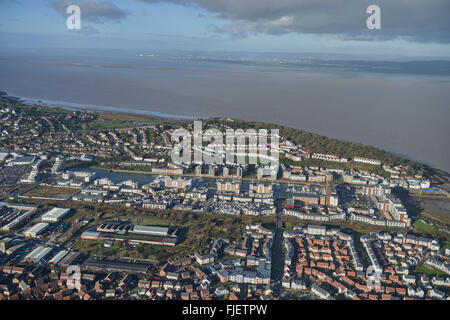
93 108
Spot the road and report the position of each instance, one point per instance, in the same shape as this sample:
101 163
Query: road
277 253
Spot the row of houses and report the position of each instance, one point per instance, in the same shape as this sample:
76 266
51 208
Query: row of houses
344 217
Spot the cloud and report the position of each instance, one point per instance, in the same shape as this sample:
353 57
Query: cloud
92 10
415 20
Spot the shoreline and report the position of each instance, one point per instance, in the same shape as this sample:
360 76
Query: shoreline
93 108
437 172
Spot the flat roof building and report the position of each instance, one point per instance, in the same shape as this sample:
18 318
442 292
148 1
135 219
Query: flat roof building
36 230
69 259
55 214
59 256
5 243
38 253
90 235
151 231
116 266
3 156
28 211
25 160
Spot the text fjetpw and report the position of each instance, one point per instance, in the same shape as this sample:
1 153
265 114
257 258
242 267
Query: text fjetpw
239 147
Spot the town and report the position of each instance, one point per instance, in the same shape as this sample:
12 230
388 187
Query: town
88 190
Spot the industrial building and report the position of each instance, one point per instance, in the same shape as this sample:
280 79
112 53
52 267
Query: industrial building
17 245
36 230
116 266
90 235
38 254
55 215
6 243
141 238
151 231
3 156
69 259
164 236
58 257
114 228
15 218
23 161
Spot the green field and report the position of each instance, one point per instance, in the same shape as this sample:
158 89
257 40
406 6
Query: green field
107 124
96 248
154 221
419 225
45 111
125 117
431 272
51 192
445 246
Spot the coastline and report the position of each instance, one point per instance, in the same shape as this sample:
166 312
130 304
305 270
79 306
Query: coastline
93 108
440 174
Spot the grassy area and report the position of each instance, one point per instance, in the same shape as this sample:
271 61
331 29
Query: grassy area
97 248
295 294
51 192
77 214
153 221
120 250
419 225
139 168
107 124
430 272
445 246
124 117
45 111
133 169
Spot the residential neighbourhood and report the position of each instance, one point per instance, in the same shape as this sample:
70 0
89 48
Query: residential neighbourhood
104 197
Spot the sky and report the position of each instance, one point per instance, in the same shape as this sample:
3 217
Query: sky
410 28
